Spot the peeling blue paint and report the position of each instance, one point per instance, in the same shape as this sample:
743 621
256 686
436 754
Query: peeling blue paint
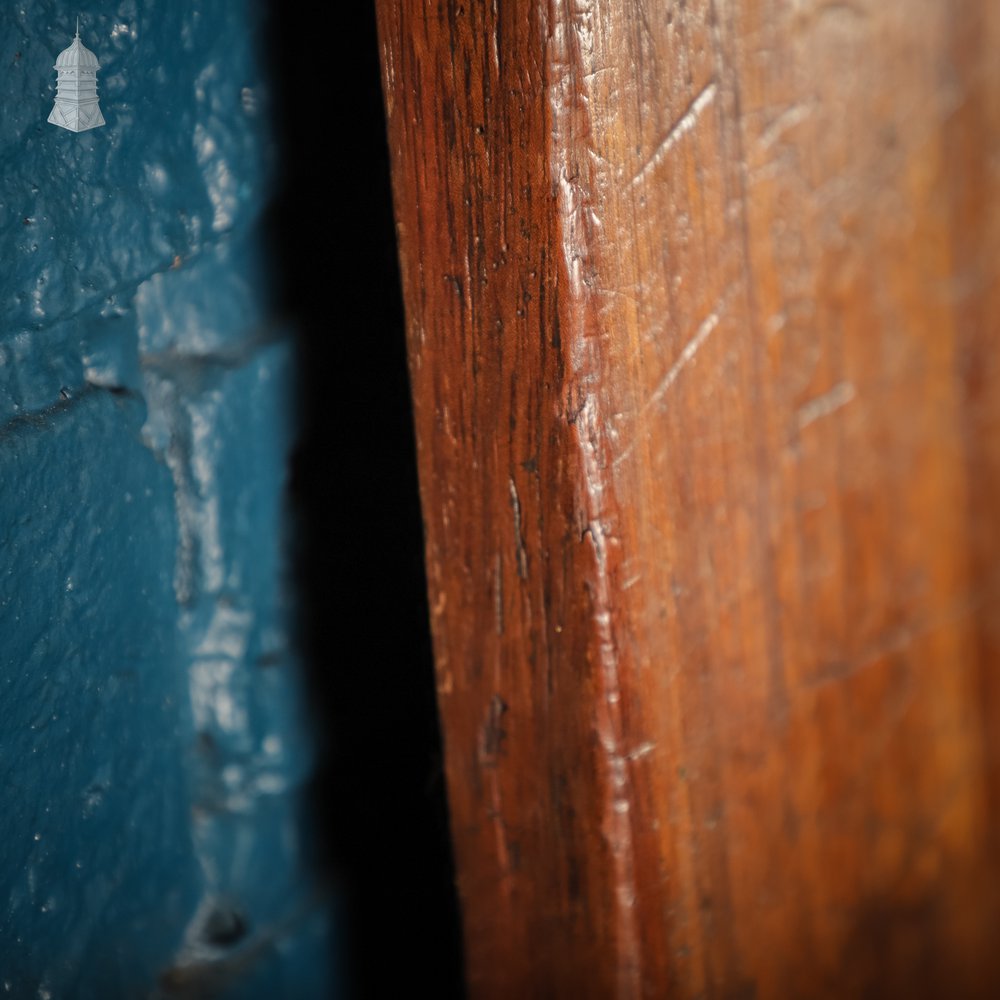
153 748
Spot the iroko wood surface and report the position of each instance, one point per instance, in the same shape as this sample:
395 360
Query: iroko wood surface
704 319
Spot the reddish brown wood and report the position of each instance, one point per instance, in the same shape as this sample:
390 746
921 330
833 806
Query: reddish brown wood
703 304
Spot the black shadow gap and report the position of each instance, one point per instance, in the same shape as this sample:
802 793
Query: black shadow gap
378 799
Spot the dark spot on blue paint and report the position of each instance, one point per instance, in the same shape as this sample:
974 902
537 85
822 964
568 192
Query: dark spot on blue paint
224 927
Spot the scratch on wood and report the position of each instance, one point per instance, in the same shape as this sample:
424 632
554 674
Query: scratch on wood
677 131
493 734
642 750
898 639
491 739
522 556
822 406
498 594
708 324
788 119
691 348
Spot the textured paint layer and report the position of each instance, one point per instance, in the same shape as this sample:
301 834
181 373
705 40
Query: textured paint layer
152 746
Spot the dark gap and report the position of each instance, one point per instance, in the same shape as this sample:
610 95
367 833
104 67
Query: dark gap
378 797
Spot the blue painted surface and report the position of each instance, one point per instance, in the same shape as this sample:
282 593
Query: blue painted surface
152 739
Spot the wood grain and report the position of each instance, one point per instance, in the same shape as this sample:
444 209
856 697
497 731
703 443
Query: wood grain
703 304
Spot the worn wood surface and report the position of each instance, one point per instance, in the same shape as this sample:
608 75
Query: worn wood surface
703 303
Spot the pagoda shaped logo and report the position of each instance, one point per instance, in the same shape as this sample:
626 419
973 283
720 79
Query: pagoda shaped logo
76 106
